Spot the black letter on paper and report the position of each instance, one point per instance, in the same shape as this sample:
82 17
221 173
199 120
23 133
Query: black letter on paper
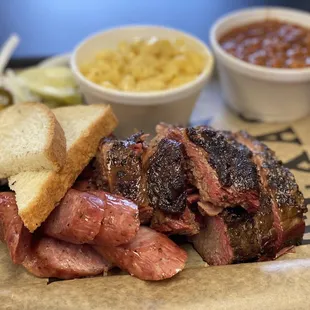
280 136
300 163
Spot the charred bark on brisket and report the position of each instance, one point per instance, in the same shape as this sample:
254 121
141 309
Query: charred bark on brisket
249 206
166 177
119 171
236 236
124 168
231 160
287 201
230 180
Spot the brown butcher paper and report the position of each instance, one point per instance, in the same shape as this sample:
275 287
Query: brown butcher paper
281 284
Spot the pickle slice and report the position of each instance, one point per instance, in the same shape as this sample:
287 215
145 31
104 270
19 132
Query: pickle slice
55 84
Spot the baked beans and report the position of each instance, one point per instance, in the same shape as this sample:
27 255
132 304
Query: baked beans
270 43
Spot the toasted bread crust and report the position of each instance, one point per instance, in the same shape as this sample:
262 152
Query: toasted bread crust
57 184
56 149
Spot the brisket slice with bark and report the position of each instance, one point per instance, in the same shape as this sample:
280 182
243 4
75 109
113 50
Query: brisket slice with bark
222 169
154 177
166 177
287 201
236 236
165 164
119 171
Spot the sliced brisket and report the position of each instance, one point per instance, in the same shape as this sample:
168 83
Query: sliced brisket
236 236
165 163
140 173
287 201
222 169
119 170
277 224
166 177
149 256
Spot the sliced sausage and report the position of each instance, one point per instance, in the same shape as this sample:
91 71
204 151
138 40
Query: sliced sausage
12 230
120 222
93 217
149 256
54 258
77 219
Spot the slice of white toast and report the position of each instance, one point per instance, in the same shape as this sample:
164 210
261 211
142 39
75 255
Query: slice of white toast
30 139
37 193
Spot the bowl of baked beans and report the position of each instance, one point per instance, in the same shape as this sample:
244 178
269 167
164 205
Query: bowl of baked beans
263 60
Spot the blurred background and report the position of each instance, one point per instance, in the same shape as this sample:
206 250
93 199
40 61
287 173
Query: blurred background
49 27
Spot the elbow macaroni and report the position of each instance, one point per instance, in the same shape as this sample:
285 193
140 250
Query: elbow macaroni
145 65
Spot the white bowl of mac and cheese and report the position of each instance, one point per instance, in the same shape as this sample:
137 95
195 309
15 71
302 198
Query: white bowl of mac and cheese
149 74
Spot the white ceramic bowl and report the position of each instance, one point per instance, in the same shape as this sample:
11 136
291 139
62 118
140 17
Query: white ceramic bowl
141 110
256 92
